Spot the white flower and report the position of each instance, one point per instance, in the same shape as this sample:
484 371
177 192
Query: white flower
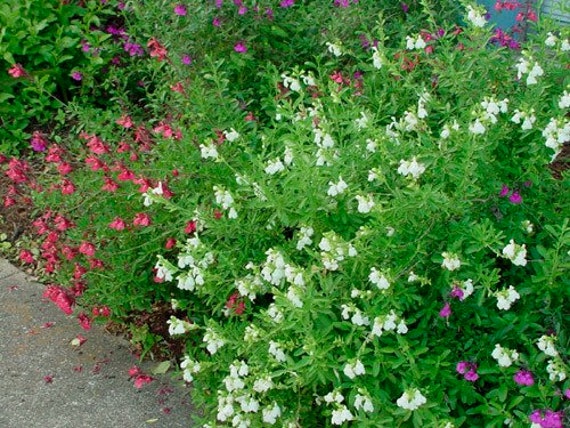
213 341
555 369
411 168
208 150
362 121
248 404
163 270
551 40
402 327
415 43
377 59
477 128
291 83
527 226
411 399
565 46
359 319
378 279
535 72
275 313
274 166
504 356
288 156
341 415
293 295
177 326
305 237
337 188
522 67
476 17
506 298
546 344
363 402
231 135
365 203
225 407
276 351
390 322
263 384
271 413
189 367
334 397
371 146
352 370
334 49
251 333
564 100
148 197
450 261
515 253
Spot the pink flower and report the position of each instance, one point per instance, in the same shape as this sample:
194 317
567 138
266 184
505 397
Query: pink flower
457 292
515 198
471 375
445 312
287 3
84 321
142 380
141 219
60 297
110 185
186 59
462 367
240 47
180 10
546 418
17 71
38 142
567 393
524 378
190 227
87 248
504 191
125 121
134 371
26 256
118 224
77 76
216 22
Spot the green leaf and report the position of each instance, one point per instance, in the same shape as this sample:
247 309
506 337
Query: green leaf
161 368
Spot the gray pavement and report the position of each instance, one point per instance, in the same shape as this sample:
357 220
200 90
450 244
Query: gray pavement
46 382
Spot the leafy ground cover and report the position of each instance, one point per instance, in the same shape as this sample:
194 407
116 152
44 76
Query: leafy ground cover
329 213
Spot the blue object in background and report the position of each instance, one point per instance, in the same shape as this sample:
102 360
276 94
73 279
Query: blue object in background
504 19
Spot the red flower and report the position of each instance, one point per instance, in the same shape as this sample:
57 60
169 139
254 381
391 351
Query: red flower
78 271
190 227
110 185
141 219
60 297
9 201
134 371
156 49
118 224
97 146
54 154
62 224
17 71
84 321
87 248
64 168
96 263
67 187
125 121
26 256
142 380
170 243
123 147
68 252
95 163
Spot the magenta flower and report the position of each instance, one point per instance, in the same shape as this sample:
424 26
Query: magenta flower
445 311
471 375
216 22
405 7
546 418
38 142
186 60
462 367
76 75
240 47
524 378
180 10
515 198
242 10
567 393
468 370
504 191
287 3
457 293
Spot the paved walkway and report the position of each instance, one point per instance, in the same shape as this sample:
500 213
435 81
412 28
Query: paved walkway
46 382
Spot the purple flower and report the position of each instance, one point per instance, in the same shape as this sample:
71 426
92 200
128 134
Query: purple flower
462 367
457 292
468 370
567 393
186 59
445 312
219 3
38 142
240 47
524 378
504 191
515 198
76 75
269 13
180 10
546 418
85 47
287 3
471 375
405 7
216 22
242 10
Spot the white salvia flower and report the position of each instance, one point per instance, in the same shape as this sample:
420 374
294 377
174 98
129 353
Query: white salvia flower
556 370
163 271
522 67
564 100
263 384
231 135
225 407
334 49
565 46
305 237
551 40
412 277
189 367
467 288
546 344
354 369
515 253
275 313
359 318
346 310
411 399
251 333
415 43
377 59
390 321
390 231
377 327
291 83
341 415
337 188
411 168
248 404
411 121
378 279
362 121
274 166
276 351
223 197
450 261
504 356
334 397
293 295
363 402
527 226
402 327
232 213
506 298
233 383
365 203
476 17
178 326
445 132
213 341
148 197
477 128
535 72
371 146
308 79
288 156
271 414
208 150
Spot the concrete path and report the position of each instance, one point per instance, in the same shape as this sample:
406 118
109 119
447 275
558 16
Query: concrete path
46 382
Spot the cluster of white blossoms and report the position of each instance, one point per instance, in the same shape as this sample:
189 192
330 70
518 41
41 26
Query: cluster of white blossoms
362 122
208 150
340 414
277 165
363 401
274 313
451 261
532 71
515 253
552 41
231 135
276 351
353 369
506 297
357 317
304 235
326 152
334 250
556 133
379 279
189 368
490 110
334 48
195 260
249 286
225 199
177 326
527 118
564 101
447 128
556 369
213 340
337 188
153 195
476 16
365 203
388 322
273 269
504 356
164 270
378 59
411 168
416 42
411 399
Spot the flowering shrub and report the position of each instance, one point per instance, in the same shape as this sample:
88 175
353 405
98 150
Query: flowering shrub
376 239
